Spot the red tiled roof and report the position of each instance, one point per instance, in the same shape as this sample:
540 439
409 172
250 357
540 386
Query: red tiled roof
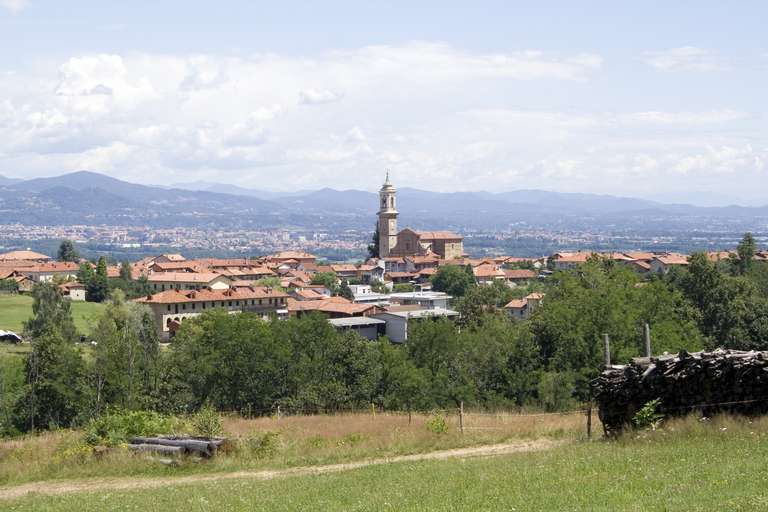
55 266
519 274
206 294
183 277
673 259
487 271
23 256
439 235
336 305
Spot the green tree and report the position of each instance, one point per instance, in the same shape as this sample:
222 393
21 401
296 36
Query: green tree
745 251
55 393
455 280
373 247
125 361
480 300
126 271
50 314
97 286
327 279
345 291
67 252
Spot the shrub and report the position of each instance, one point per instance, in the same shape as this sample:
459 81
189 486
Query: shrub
263 445
207 423
647 417
118 427
437 424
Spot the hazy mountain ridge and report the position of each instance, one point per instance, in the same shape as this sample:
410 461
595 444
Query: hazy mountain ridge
96 198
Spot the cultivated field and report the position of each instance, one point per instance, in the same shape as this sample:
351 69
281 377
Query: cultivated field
15 309
690 465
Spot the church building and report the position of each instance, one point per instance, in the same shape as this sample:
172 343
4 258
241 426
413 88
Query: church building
408 242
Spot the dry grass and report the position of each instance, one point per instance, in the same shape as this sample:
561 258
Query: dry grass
292 441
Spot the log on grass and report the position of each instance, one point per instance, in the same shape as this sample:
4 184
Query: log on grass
156 448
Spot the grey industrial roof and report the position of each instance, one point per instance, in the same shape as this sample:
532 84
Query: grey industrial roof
355 321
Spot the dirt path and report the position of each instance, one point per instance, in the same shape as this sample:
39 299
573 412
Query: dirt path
114 484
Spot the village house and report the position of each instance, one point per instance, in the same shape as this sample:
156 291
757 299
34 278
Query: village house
663 263
516 277
522 309
569 260
161 281
47 272
331 307
399 318
368 327
171 307
488 273
422 299
73 291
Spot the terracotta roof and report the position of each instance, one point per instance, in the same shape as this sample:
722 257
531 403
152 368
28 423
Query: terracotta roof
345 267
5 273
23 255
428 271
296 255
174 257
206 294
308 294
335 305
399 275
183 277
639 255
519 274
535 296
418 260
170 266
516 304
55 266
439 235
673 259
488 271
716 256
366 268
573 257
72 285
642 264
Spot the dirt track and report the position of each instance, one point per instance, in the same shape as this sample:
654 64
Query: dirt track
114 484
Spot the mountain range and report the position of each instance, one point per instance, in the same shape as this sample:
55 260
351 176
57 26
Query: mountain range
92 198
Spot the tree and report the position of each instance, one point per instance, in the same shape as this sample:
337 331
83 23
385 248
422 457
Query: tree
454 280
327 279
345 291
126 272
50 314
97 286
480 300
67 252
373 247
745 251
55 393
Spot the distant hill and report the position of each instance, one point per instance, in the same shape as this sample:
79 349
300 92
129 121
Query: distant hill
89 197
8 181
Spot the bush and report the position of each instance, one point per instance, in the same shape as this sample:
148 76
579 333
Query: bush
117 428
263 445
437 424
647 417
207 423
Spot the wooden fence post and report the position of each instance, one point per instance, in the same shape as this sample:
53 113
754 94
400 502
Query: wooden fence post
373 410
607 347
589 421
461 416
278 413
647 335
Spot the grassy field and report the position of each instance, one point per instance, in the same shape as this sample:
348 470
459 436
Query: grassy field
14 309
266 443
720 465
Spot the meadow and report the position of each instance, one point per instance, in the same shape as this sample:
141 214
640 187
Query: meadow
15 309
688 465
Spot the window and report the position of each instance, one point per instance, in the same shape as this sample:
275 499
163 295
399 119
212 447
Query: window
193 305
230 303
169 307
183 306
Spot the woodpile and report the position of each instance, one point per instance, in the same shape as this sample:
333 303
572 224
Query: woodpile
704 382
176 446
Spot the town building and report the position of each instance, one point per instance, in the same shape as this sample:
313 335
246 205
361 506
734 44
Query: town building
171 307
399 319
161 281
408 242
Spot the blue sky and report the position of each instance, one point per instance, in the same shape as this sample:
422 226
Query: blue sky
660 101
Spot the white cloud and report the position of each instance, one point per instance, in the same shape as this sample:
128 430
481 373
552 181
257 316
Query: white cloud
318 96
440 117
13 5
684 58
687 118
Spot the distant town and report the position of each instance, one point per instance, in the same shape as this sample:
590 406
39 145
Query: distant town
377 295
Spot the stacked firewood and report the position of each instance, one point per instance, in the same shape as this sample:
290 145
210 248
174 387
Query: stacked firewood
702 382
176 446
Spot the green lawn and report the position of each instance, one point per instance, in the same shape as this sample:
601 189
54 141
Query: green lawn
695 468
14 309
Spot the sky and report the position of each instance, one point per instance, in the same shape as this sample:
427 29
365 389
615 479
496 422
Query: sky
660 100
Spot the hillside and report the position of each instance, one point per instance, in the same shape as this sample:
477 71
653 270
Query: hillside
93 198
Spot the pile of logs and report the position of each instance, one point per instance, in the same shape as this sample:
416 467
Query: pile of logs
176 446
703 382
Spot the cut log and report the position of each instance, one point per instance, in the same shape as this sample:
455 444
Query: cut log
204 448
156 448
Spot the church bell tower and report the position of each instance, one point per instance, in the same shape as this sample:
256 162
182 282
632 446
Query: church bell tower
387 219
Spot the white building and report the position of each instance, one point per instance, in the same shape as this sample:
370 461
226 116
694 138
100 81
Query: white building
397 322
